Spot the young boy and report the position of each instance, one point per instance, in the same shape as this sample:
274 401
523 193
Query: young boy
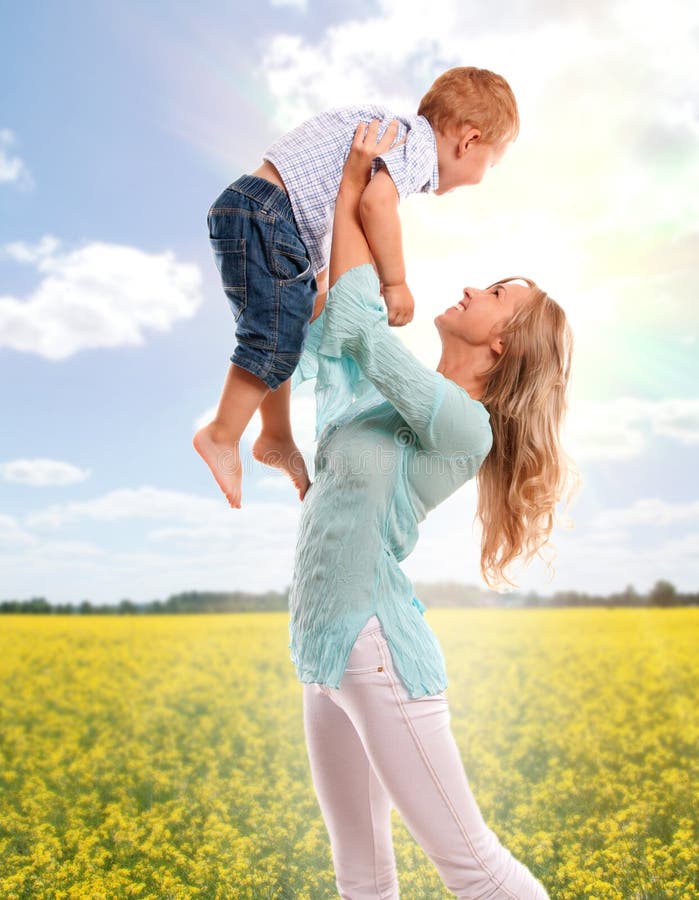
270 234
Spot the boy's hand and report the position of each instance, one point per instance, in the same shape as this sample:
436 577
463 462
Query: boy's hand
399 303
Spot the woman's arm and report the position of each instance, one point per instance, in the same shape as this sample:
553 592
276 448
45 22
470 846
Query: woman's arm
349 244
445 419
356 325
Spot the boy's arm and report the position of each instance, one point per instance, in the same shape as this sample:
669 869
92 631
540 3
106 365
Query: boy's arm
378 209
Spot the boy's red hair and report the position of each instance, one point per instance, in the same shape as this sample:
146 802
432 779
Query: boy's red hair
467 96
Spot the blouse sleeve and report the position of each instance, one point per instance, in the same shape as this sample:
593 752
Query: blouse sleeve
443 416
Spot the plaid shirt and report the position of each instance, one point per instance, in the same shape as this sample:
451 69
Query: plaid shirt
310 159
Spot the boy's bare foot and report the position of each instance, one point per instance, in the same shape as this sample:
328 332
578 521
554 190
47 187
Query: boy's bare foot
222 456
283 455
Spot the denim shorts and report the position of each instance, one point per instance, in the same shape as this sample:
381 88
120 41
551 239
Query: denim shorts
266 276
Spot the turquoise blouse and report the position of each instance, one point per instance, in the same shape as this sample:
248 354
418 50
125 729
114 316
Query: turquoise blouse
394 440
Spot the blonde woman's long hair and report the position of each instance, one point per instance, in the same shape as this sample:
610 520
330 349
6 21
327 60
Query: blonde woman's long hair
527 471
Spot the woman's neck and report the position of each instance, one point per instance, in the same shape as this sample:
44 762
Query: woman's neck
460 368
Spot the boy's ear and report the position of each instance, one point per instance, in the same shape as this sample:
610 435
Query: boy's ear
467 138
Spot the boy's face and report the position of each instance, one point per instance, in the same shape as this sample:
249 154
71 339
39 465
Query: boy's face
465 160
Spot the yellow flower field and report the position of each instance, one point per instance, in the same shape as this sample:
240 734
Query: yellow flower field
163 756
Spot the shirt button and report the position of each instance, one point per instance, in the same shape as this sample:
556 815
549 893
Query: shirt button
380 669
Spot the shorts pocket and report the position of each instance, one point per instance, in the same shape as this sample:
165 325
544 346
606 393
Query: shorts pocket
288 259
229 255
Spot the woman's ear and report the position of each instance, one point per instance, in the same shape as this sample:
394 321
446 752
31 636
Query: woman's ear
497 346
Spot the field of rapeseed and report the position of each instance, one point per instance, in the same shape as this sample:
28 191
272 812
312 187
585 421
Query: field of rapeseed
162 757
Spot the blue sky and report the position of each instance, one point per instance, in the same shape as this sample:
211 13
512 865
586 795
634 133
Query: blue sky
120 123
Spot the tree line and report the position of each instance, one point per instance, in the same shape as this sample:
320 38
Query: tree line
434 595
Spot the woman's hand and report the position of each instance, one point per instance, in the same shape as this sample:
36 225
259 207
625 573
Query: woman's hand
356 173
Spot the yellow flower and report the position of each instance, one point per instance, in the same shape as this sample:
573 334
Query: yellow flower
163 757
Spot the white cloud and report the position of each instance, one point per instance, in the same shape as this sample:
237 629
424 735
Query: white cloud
200 542
32 253
252 533
584 563
596 183
13 169
191 519
356 61
40 472
677 419
68 553
596 556
596 186
74 571
100 295
648 511
619 428
589 436
397 51
278 482
12 533
448 546
129 503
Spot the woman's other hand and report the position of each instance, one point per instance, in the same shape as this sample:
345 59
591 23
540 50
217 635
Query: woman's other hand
356 173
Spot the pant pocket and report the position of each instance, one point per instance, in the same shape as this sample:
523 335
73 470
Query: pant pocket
288 258
229 256
365 656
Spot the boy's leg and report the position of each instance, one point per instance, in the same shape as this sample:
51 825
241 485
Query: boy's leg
218 443
276 446
266 275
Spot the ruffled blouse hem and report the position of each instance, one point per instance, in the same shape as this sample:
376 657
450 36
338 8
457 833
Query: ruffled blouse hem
321 657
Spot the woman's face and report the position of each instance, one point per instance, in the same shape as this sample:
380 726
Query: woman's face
480 314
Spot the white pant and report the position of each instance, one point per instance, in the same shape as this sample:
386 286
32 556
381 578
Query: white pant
371 747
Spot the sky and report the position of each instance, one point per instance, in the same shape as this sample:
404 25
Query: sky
120 123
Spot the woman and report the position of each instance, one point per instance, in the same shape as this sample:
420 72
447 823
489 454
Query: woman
395 439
